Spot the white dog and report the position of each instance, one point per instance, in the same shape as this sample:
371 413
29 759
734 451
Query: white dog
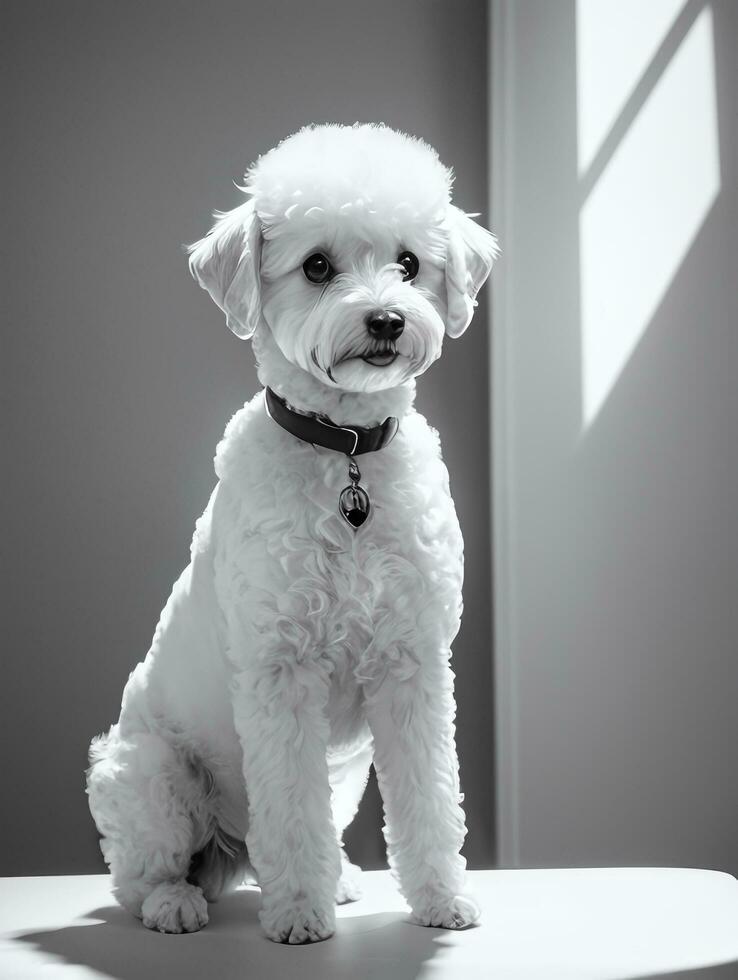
310 634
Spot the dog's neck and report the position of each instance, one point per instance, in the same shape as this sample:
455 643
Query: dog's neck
305 393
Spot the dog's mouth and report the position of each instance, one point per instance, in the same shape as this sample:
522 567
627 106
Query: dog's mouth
382 355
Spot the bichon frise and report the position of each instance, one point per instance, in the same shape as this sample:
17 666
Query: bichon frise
310 635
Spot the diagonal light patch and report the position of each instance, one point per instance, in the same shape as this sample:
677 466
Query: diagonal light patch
616 40
643 214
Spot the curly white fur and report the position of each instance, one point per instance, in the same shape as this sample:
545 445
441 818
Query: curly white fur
294 650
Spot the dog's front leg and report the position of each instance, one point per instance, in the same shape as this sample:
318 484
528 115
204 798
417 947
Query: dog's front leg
411 718
279 710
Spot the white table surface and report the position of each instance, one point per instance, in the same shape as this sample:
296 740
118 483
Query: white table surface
580 924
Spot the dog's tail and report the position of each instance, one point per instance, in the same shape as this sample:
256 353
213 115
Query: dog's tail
221 866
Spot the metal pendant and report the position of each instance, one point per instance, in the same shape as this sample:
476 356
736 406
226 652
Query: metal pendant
354 500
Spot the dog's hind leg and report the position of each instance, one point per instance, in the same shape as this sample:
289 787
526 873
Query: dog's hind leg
348 776
150 803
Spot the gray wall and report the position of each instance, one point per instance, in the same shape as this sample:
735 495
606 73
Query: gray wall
617 560
125 125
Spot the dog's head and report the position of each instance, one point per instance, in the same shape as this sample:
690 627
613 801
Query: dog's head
350 252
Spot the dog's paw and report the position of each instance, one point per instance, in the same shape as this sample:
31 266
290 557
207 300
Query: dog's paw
299 923
175 906
450 912
349 884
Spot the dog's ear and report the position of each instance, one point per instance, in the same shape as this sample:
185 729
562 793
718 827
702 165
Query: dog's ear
226 263
471 251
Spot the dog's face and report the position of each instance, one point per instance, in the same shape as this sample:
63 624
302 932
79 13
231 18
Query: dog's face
351 254
354 302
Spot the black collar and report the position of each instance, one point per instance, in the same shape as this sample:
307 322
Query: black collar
352 440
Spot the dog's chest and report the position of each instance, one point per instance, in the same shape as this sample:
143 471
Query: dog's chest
299 583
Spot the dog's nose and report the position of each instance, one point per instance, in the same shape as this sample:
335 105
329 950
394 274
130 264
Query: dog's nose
385 324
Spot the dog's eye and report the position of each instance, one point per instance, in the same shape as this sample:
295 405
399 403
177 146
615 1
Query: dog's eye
317 268
409 262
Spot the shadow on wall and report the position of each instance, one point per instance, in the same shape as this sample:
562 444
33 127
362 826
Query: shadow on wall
649 172
623 550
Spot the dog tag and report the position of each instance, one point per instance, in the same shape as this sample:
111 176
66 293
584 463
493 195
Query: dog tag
354 500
